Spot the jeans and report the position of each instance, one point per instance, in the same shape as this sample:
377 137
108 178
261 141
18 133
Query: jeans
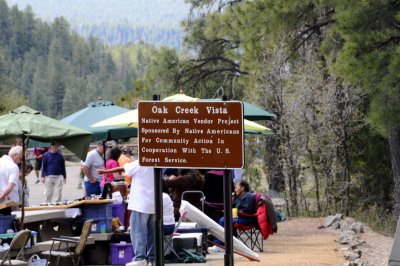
168 229
92 188
142 235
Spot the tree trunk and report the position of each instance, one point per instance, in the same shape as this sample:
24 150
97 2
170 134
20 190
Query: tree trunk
394 146
328 187
315 173
276 179
346 175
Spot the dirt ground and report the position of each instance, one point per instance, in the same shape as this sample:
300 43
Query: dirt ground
298 242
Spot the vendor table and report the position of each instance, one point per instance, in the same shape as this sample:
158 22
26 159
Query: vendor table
41 215
66 206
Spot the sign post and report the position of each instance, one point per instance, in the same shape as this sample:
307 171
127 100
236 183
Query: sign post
193 135
158 206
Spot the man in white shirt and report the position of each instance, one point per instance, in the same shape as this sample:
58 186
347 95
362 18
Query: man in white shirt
9 175
141 203
94 161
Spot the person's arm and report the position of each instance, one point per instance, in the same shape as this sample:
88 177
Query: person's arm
112 170
44 168
7 191
64 173
87 172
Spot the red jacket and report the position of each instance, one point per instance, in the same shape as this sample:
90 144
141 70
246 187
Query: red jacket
265 216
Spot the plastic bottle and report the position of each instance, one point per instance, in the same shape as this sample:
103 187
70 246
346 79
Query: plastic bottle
103 228
34 237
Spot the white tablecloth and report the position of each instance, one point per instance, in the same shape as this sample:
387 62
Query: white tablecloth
42 215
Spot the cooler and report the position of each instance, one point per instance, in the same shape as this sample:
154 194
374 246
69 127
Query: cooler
121 253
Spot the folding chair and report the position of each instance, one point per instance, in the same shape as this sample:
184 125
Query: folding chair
70 243
17 244
250 235
194 197
168 238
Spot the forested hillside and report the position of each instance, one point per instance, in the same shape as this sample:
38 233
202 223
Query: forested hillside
57 71
154 22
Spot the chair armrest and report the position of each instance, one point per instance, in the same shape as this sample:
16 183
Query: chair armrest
245 214
67 239
70 237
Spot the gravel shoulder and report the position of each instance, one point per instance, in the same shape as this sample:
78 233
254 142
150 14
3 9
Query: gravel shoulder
300 242
377 248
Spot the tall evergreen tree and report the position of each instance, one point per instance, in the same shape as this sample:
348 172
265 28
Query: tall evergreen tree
370 57
39 95
56 82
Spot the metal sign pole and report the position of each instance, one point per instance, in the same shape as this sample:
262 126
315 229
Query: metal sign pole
159 232
158 205
228 258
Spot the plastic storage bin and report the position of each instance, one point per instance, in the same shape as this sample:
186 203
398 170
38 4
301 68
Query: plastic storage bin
98 226
121 253
118 210
6 222
97 211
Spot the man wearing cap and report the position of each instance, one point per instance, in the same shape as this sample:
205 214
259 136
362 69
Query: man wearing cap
53 174
94 161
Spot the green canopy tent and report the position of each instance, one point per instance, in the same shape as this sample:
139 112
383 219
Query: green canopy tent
32 125
255 113
98 111
250 111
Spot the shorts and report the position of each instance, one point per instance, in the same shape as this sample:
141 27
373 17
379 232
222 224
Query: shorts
38 164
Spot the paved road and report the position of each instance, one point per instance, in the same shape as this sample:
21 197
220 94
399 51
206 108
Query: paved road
70 189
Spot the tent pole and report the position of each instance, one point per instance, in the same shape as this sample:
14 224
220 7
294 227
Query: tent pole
104 154
23 166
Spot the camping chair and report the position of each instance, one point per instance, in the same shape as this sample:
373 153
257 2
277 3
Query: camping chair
17 244
250 235
194 197
70 243
265 224
168 238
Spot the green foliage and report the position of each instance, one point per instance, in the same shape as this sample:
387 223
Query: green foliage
373 182
10 101
379 219
370 55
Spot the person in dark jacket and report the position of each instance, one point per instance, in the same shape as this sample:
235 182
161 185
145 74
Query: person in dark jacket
244 201
53 174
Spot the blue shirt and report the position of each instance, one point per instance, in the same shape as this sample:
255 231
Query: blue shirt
53 164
